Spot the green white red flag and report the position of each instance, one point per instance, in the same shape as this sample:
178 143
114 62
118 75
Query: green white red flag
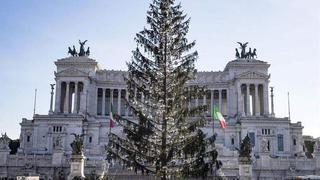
216 114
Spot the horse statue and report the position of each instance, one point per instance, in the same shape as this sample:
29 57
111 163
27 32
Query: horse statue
237 54
88 52
254 53
243 47
70 51
74 51
249 54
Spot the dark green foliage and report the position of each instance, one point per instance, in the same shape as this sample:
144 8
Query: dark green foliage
309 148
164 137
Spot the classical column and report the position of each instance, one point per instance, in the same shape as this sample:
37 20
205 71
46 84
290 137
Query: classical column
248 113
67 97
58 97
111 99
127 98
272 105
51 99
119 101
227 102
103 103
239 94
256 99
211 102
76 94
97 99
220 100
266 98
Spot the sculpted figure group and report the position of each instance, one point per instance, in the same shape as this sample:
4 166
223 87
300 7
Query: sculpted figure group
77 144
4 142
73 52
246 55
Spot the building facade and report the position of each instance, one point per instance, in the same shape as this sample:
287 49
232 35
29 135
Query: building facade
81 104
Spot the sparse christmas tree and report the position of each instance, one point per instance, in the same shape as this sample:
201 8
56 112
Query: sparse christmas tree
164 136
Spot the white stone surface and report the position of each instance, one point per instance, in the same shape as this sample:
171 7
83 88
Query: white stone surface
46 139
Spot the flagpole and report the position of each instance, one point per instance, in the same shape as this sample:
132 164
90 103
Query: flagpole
289 105
35 102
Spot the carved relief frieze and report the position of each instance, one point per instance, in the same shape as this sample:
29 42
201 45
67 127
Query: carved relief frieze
71 72
252 75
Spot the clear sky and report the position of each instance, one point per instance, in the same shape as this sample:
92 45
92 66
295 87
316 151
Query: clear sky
33 34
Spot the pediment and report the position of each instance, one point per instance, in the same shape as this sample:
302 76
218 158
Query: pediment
252 75
71 72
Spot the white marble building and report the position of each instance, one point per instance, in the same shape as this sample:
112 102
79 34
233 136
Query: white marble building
81 105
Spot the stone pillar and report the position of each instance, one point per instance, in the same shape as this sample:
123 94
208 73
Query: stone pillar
266 99
84 98
248 113
76 97
127 98
103 103
51 99
211 101
240 100
67 97
272 105
257 100
111 99
119 101
77 167
245 168
97 99
220 100
58 97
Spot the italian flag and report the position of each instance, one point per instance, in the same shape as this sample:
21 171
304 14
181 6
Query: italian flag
218 116
111 120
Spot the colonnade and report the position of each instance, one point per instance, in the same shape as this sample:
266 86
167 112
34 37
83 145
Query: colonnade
116 97
253 99
68 96
107 97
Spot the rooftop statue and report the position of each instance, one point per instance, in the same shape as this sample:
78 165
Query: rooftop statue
82 51
243 47
4 142
244 54
77 144
73 52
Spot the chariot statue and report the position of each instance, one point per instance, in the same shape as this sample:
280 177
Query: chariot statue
73 52
244 54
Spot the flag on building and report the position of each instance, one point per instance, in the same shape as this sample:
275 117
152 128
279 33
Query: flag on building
218 116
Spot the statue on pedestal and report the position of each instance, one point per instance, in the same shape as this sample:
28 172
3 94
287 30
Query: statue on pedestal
245 149
4 142
77 145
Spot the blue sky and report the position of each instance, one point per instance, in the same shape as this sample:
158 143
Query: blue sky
33 34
